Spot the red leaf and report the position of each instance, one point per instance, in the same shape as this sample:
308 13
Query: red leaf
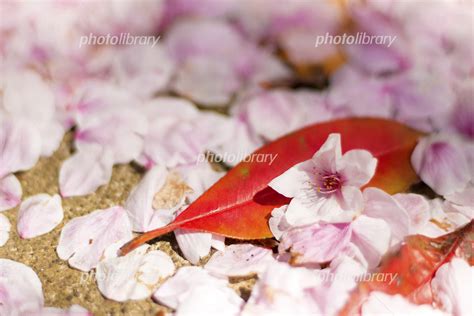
240 204
415 265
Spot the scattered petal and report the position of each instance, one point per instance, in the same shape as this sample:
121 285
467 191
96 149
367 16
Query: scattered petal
10 192
21 291
135 276
5 227
83 239
39 215
239 260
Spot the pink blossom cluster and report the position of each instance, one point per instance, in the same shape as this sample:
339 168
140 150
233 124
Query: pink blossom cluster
153 106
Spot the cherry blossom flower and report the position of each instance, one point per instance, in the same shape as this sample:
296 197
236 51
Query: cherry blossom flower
326 187
39 215
83 239
239 260
193 288
21 291
10 192
5 227
441 163
452 287
134 276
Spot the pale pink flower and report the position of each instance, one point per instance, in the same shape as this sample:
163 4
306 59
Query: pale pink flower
5 227
39 214
83 239
326 187
10 192
452 287
135 276
20 289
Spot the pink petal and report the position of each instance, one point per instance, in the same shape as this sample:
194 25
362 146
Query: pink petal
193 244
417 207
51 137
5 227
328 157
282 290
39 215
278 223
134 276
178 288
10 192
358 167
381 205
441 164
239 260
380 303
84 239
316 243
206 81
20 146
452 287
21 292
139 203
372 237
85 171
291 182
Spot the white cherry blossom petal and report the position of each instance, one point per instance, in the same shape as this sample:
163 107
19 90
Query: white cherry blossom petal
139 204
10 192
291 182
39 215
84 239
452 287
5 227
381 205
74 310
380 303
278 223
135 276
441 164
179 287
20 146
239 260
193 244
20 288
417 207
359 167
318 243
85 171
372 237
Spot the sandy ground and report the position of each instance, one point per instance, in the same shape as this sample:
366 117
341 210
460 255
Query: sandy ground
62 285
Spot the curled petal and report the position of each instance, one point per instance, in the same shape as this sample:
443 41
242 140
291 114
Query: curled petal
5 227
278 223
139 204
134 276
20 146
83 239
39 215
10 192
441 164
452 287
193 244
21 292
239 260
85 171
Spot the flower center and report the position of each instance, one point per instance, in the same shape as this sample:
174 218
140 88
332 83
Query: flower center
329 184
